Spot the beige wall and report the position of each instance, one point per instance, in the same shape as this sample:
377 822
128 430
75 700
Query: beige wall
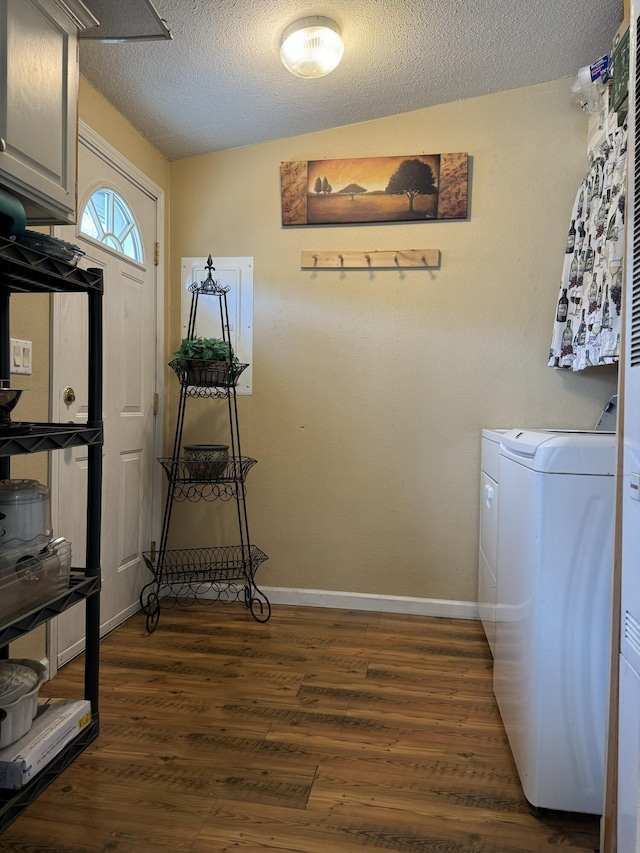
370 389
102 117
30 321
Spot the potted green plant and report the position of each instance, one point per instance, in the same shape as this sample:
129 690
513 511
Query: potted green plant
206 361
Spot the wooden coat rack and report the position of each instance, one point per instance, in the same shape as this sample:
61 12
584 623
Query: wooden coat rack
399 259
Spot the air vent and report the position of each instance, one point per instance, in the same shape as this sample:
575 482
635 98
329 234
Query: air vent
135 20
632 632
635 311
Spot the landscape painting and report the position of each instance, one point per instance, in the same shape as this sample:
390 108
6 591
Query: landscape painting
375 189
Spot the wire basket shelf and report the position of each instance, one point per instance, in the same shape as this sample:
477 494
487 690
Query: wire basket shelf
198 565
187 485
180 470
207 375
189 576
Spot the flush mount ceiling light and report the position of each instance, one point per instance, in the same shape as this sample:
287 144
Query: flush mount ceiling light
311 47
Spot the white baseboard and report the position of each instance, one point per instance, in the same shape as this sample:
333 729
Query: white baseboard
350 601
45 662
79 646
119 618
70 653
365 601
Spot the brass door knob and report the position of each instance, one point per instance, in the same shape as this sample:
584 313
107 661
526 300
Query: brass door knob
68 395
3 145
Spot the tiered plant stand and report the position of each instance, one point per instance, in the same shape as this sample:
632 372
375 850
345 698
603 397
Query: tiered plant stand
224 573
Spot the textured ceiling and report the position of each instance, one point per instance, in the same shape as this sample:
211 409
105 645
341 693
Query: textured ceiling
220 84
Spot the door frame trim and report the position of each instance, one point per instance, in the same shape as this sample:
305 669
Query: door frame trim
99 146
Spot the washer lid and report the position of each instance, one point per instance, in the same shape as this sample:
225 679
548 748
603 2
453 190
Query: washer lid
493 434
561 452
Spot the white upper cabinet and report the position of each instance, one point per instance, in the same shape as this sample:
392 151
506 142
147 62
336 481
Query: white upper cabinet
38 105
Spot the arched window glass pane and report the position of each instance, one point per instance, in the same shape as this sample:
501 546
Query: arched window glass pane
132 246
108 219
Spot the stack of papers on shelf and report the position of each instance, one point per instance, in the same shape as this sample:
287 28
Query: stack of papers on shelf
57 722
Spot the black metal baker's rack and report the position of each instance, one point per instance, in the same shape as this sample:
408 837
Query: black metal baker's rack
226 573
22 271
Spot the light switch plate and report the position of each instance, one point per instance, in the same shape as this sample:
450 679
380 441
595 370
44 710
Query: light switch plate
21 356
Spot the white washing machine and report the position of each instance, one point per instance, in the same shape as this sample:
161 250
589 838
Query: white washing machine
553 611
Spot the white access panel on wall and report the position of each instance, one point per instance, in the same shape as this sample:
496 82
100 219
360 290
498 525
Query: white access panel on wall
237 275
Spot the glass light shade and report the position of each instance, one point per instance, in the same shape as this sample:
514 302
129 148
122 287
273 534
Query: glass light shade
311 47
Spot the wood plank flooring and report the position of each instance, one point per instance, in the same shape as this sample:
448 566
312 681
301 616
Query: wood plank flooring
323 731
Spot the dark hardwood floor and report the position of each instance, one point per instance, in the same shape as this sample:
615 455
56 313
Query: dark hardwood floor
323 731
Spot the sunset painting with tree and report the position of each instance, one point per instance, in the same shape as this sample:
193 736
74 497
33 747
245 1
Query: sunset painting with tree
375 189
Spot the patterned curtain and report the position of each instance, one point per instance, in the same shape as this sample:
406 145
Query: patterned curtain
587 325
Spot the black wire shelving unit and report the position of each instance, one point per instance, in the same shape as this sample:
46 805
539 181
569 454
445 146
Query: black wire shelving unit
186 576
24 270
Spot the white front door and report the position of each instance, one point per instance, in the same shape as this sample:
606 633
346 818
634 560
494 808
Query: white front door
131 350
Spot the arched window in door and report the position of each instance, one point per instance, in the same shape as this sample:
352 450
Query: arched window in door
108 219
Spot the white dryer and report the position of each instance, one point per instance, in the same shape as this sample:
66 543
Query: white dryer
553 611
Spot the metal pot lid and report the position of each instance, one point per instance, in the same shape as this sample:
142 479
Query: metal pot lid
16 680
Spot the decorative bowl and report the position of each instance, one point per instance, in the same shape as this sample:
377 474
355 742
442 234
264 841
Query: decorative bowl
206 461
8 400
